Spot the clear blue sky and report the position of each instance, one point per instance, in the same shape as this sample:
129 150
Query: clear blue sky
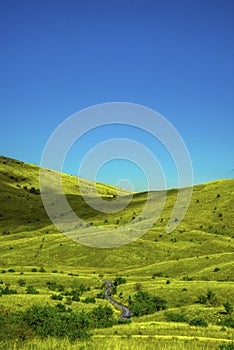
175 56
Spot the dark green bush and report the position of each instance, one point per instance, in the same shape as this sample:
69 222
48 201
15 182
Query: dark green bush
57 296
228 307
102 317
228 322
48 321
42 269
175 317
157 274
7 290
198 321
202 299
88 300
226 346
31 290
21 282
119 280
144 303
101 295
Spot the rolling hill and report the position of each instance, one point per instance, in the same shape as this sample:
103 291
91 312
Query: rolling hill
180 266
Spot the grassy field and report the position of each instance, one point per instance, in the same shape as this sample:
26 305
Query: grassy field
179 267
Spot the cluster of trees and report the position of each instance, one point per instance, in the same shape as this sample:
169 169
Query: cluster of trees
144 303
56 321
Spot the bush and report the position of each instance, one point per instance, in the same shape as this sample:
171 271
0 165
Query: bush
228 308
13 328
56 297
226 346
48 321
101 295
11 270
21 282
157 274
33 190
119 280
102 317
54 286
31 290
88 300
228 322
34 269
217 269
198 322
175 317
42 269
144 303
7 291
202 299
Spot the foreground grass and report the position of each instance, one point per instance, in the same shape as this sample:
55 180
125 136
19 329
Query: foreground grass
124 342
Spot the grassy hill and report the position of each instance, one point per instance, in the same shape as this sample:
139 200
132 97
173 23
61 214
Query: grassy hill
179 267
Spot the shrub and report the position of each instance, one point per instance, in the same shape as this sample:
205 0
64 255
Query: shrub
187 278
197 321
68 300
119 280
102 317
228 322
48 321
21 282
34 269
228 308
12 327
175 317
42 269
144 303
7 290
88 300
57 296
217 269
31 290
202 299
101 295
33 190
11 270
226 346
157 274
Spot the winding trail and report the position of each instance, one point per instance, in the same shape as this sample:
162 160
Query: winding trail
126 311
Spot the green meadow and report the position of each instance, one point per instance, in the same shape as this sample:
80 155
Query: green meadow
191 268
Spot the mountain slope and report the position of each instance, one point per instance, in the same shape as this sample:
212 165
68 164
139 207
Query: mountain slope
207 228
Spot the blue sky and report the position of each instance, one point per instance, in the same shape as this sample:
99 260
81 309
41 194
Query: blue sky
174 56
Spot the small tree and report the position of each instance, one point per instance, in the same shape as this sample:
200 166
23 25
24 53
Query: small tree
31 290
228 308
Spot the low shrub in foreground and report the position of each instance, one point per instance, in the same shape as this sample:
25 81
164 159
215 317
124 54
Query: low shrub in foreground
197 321
226 346
53 321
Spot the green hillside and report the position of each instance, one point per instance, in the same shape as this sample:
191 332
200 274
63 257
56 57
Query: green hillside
180 267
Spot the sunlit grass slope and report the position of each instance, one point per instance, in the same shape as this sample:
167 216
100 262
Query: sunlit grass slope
179 267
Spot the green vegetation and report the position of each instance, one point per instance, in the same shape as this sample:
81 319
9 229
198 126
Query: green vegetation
179 285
